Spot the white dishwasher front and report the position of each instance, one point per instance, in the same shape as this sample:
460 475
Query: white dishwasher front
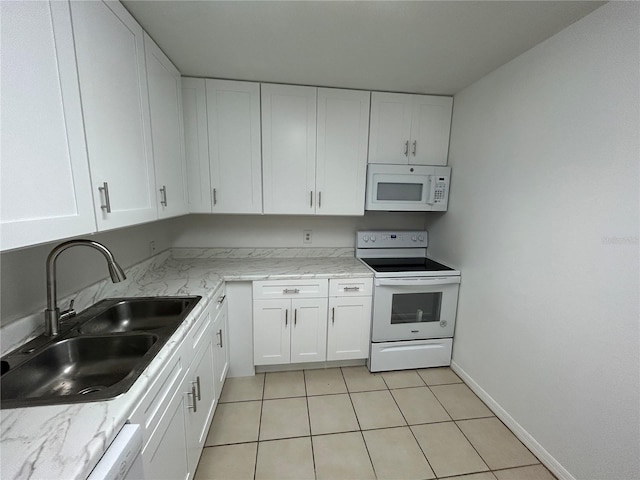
122 460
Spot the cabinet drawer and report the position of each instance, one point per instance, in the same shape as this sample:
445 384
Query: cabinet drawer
350 287
197 335
290 288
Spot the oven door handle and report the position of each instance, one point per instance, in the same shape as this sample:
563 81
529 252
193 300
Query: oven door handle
417 282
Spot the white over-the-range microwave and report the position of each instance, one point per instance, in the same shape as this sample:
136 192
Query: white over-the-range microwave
408 188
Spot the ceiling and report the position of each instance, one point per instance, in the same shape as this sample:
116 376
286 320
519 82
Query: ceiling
437 47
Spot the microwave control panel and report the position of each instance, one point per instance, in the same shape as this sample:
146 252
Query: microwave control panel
440 190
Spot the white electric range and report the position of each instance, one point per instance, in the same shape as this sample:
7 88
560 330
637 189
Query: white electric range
415 301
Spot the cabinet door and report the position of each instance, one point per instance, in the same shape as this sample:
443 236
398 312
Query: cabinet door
309 330
165 455
165 102
45 186
349 328
198 420
341 163
430 127
271 327
289 149
390 128
233 111
115 103
194 110
221 350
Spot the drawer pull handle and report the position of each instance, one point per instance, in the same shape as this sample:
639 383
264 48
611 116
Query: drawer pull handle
295 317
220 335
197 384
333 315
290 290
351 289
193 407
286 318
221 299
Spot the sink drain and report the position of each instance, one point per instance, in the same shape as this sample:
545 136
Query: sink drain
88 390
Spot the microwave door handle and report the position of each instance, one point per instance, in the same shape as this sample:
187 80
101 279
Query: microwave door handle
432 191
419 282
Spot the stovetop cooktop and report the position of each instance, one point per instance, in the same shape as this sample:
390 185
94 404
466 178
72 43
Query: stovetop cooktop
405 265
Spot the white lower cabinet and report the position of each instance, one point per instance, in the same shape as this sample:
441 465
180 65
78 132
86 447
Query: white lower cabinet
286 328
177 409
289 329
349 328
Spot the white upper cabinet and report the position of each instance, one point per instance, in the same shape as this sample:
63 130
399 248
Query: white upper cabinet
45 187
289 149
194 108
115 103
409 129
341 162
233 112
302 176
165 101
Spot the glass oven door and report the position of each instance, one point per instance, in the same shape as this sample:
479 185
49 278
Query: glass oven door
414 308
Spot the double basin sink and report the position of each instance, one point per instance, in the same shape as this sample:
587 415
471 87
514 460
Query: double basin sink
99 355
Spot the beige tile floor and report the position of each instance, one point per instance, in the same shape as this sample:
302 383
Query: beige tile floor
346 423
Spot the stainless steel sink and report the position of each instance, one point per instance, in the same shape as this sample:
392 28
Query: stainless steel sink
132 315
97 357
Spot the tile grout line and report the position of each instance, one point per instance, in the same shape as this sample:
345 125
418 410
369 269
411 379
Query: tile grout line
313 456
255 464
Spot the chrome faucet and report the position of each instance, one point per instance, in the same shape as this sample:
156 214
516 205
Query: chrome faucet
52 315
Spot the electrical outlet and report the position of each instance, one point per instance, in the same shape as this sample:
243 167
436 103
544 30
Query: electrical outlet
152 248
307 236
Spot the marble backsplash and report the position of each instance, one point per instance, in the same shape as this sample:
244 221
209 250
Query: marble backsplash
204 253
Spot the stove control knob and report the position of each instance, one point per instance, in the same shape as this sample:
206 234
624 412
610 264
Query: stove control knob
421 238
414 238
365 238
373 238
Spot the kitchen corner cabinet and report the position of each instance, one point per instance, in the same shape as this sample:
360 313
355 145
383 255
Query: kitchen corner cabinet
45 184
314 150
194 109
349 327
409 129
165 101
289 321
115 103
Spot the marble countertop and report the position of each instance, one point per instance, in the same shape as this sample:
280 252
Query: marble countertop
66 441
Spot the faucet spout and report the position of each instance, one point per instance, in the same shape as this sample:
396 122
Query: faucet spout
52 313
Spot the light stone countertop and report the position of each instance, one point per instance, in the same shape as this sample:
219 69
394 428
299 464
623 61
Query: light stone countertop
66 441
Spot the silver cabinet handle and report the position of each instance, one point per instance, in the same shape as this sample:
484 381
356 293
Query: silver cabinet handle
333 315
286 317
221 299
415 145
163 193
290 290
319 199
295 317
220 335
197 385
107 203
193 407
311 198
406 148
351 289
215 197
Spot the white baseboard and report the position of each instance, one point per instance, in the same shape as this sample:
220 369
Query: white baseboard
525 437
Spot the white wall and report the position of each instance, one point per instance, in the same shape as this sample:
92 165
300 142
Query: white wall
286 231
23 273
543 223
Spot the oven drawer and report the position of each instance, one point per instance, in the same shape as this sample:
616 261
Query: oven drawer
312 288
350 287
387 356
